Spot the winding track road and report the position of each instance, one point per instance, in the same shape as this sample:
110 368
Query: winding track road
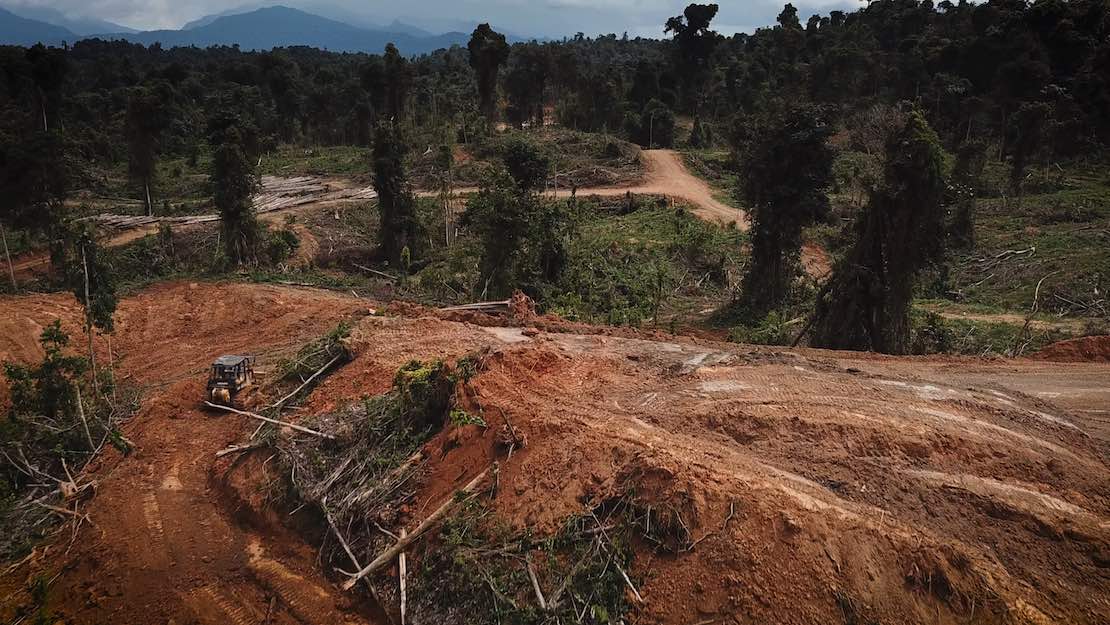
664 174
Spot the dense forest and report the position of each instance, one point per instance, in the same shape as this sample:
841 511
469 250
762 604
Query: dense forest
918 93
991 71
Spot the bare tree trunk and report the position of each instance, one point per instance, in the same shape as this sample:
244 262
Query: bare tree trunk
88 321
8 256
149 206
81 414
447 220
112 367
42 107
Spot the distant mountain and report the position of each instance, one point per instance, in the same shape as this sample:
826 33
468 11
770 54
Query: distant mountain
208 19
78 25
20 31
280 26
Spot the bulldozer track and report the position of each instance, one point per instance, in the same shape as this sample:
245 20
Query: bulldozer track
207 599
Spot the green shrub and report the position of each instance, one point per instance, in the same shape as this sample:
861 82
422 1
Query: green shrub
929 334
774 329
281 245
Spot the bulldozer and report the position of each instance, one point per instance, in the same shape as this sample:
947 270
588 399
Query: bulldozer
228 376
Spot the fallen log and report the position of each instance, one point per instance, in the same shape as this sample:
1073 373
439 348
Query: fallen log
402 573
293 426
388 555
498 305
282 401
377 273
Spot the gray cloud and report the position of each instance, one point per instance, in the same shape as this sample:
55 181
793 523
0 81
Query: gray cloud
546 18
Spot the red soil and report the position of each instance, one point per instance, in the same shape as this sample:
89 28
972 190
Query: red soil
1084 349
821 486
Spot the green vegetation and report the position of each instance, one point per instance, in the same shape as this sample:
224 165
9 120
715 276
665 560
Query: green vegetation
56 421
865 304
399 231
234 181
294 160
930 334
626 269
477 571
1015 107
313 356
786 171
1060 235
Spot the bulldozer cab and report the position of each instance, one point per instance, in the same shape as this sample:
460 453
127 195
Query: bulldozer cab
229 375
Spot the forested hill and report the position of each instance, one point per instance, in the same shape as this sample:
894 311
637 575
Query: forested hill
830 122
1032 81
261 29
275 27
973 68
21 31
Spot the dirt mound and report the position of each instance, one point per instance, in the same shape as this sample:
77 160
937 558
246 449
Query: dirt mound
791 490
765 485
1084 349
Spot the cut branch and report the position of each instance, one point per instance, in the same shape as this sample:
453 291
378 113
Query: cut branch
327 366
378 273
388 555
351 554
536 586
402 572
293 426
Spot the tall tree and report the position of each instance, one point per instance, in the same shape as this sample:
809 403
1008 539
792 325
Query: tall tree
94 287
445 163
1026 133
488 52
786 168
34 184
397 76
695 43
522 238
234 182
147 116
525 83
399 228
48 71
865 304
971 159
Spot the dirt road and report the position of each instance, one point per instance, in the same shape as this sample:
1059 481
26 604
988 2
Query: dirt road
168 546
665 174
821 484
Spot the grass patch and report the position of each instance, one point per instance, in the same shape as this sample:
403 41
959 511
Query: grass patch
294 160
714 165
581 159
627 269
1070 231
931 333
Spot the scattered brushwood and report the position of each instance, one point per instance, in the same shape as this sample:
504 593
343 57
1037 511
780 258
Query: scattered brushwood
463 564
313 360
361 479
55 423
478 570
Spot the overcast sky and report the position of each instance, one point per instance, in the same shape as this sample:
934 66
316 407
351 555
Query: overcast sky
549 18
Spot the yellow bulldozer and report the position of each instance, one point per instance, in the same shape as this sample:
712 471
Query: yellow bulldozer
228 377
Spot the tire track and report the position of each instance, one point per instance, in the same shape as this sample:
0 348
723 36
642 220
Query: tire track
231 610
308 602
